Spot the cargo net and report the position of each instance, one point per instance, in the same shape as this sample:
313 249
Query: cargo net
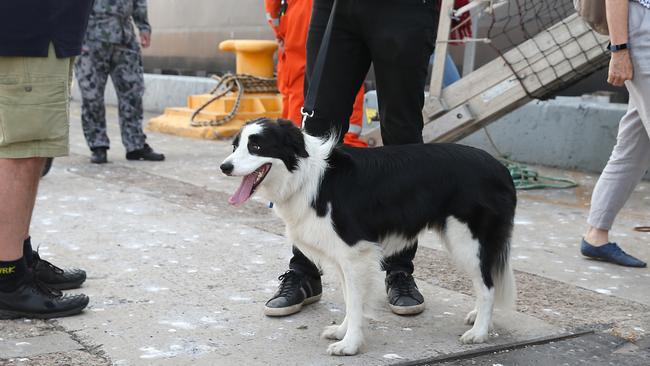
543 42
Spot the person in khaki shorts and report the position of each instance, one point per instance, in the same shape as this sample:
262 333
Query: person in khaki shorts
629 33
38 41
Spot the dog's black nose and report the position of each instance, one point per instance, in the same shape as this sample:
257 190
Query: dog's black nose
227 168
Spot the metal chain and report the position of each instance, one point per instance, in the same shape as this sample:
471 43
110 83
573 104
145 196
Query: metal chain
240 83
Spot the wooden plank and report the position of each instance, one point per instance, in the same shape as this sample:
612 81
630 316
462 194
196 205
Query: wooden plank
494 103
440 51
459 115
433 108
494 90
469 53
484 113
493 73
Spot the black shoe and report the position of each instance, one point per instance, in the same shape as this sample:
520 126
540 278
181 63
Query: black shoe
404 298
98 155
146 153
295 290
55 277
34 299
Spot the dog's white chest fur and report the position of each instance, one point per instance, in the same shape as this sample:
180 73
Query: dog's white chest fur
314 235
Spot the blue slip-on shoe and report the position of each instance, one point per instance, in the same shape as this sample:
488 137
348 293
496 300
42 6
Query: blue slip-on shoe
610 252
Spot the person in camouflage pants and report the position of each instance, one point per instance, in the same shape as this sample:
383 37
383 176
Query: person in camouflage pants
111 48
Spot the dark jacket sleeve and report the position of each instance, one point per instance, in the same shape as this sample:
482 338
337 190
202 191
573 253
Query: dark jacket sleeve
140 15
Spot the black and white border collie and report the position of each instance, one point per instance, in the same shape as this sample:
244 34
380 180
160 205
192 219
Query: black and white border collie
351 206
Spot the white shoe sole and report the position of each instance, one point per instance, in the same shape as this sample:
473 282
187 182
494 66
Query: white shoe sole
407 310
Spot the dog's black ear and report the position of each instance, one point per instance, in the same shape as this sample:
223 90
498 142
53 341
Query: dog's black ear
285 123
257 120
293 137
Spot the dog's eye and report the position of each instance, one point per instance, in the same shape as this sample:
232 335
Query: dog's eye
254 146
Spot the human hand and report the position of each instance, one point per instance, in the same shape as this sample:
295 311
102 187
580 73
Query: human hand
145 39
620 68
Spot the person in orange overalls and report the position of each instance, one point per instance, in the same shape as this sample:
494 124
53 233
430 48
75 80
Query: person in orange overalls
289 20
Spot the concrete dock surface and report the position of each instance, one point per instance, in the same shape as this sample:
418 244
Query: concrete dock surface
177 276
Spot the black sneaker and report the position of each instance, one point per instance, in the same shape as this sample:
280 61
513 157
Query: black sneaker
295 290
98 155
55 277
34 299
146 153
404 298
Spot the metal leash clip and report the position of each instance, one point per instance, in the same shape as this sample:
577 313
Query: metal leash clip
305 115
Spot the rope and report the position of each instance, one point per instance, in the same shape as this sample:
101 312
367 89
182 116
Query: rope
239 83
526 178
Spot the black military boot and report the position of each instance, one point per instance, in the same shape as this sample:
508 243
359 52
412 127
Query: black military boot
295 290
34 299
98 155
146 153
55 277
404 298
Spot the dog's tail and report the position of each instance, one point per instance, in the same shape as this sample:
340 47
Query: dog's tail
505 288
496 260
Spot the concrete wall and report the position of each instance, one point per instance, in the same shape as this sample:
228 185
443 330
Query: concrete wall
566 132
161 91
186 33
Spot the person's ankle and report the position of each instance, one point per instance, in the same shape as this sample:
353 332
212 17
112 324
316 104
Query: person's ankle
596 237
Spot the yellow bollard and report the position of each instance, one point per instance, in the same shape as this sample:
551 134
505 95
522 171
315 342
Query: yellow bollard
253 57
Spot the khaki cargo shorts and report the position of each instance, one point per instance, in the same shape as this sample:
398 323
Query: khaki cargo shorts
34 108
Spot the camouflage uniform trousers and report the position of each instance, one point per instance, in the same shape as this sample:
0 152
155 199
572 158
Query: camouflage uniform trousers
123 63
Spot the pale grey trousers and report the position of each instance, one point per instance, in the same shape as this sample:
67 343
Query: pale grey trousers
630 157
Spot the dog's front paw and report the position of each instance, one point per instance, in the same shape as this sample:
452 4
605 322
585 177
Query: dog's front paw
333 332
474 336
345 347
471 317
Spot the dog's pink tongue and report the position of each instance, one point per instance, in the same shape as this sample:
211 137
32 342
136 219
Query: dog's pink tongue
244 191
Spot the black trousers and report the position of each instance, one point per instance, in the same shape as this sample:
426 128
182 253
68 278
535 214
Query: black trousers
397 37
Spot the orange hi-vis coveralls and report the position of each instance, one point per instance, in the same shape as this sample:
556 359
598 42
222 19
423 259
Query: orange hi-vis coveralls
289 20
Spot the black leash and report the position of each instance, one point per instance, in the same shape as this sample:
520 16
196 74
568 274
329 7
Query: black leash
308 108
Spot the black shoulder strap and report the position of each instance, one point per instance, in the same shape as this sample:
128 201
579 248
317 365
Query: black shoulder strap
312 92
